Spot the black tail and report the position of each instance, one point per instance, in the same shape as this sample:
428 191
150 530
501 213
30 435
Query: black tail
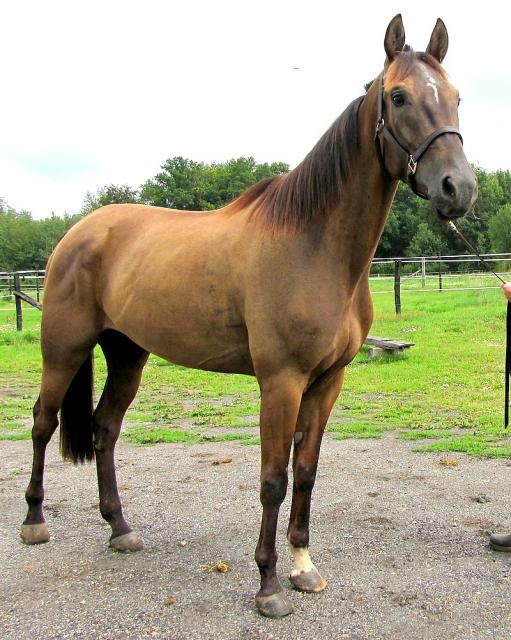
76 442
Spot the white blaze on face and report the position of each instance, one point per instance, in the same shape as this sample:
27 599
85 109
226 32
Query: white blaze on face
431 82
302 562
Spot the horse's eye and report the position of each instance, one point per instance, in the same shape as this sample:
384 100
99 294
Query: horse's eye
398 100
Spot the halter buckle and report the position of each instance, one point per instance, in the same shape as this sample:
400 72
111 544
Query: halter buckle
412 165
379 126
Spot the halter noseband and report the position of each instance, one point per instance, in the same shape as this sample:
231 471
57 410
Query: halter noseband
412 158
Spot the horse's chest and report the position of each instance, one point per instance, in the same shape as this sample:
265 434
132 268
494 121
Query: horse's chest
318 345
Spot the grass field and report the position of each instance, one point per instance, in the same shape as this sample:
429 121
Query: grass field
446 392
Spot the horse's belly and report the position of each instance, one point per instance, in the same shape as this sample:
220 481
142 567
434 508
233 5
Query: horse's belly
193 339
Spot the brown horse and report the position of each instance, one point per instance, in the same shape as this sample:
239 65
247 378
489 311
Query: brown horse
273 285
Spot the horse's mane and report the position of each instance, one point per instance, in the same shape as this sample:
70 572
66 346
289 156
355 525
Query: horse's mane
292 200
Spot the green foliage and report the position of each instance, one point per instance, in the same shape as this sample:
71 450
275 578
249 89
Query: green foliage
412 228
26 243
195 186
426 242
499 228
110 194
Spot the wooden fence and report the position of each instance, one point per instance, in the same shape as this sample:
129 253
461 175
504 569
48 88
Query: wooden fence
436 273
17 285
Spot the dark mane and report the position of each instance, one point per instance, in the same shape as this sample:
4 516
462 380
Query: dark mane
312 188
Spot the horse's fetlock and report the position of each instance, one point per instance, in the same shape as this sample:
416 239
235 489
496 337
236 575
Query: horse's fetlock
109 508
34 495
265 558
299 538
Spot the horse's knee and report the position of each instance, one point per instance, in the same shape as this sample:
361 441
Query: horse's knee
273 489
304 476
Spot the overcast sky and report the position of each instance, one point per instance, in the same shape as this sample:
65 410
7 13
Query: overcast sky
95 93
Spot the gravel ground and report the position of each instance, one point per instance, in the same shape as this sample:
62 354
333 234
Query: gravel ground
401 538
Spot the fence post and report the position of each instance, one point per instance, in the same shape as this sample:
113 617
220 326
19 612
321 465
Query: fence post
423 272
440 280
19 310
397 286
37 285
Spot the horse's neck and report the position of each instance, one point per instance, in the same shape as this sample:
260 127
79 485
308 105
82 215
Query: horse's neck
354 227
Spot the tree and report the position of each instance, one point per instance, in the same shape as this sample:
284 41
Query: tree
499 229
109 194
196 186
426 242
26 243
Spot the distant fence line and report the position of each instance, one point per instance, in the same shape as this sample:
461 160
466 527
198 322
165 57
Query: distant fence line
437 273
30 280
409 274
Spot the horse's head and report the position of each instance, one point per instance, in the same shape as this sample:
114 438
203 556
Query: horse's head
417 133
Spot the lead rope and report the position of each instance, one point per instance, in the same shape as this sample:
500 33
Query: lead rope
508 323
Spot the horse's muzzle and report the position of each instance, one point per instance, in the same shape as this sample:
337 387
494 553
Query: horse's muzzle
454 195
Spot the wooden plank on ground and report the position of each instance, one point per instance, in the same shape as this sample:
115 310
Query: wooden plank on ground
386 345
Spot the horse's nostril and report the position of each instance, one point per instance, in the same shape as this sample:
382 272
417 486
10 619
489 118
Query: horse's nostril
448 187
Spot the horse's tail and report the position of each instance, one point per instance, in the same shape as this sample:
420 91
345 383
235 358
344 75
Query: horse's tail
76 434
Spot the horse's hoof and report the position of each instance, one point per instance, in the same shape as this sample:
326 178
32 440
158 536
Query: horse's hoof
308 581
277 605
34 533
127 543
500 541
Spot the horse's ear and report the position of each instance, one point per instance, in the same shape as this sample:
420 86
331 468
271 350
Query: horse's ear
394 37
439 41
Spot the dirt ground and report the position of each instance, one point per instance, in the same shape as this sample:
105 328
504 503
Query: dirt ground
401 537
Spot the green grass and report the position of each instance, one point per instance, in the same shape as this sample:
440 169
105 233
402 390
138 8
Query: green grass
355 430
446 390
477 445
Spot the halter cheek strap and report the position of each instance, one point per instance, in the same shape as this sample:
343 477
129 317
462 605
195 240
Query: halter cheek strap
412 158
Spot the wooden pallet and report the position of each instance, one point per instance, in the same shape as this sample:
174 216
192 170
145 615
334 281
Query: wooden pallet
386 345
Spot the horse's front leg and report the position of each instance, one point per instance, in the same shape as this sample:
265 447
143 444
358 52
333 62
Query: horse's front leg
280 402
315 410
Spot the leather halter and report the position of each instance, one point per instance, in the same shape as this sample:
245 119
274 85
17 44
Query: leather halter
412 157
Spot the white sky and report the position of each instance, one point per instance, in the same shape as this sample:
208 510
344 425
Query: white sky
95 93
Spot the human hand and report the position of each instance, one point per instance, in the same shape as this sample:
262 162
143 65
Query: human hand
506 288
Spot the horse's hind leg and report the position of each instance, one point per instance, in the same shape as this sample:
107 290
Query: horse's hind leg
57 376
125 362
315 410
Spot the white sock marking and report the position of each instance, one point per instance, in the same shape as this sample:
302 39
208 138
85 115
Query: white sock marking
302 562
